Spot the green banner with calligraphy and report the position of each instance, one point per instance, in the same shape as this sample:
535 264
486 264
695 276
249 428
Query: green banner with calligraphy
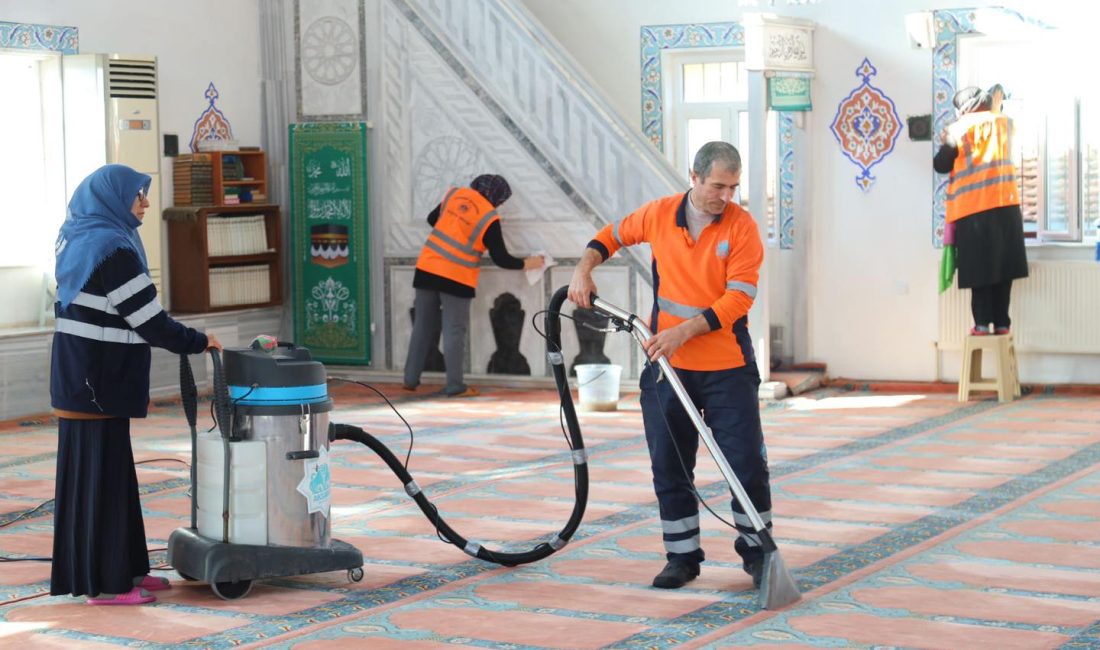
330 264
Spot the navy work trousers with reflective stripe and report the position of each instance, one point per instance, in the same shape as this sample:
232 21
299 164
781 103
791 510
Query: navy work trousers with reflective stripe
729 404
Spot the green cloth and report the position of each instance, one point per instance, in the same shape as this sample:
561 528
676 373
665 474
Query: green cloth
947 268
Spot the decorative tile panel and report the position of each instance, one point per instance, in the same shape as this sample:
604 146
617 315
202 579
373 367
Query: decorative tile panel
25 36
330 56
866 125
676 37
785 126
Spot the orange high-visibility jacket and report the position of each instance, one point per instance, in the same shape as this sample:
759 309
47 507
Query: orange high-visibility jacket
983 177
454 247
714 277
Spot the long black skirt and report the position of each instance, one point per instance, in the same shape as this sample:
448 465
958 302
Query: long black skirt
989 247
99 534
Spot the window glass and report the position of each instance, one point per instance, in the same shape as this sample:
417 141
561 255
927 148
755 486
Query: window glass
701 131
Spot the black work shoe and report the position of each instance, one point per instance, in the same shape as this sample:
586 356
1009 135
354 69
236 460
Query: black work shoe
755 568
676 575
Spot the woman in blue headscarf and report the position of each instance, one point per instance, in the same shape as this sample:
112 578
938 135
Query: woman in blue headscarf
108 316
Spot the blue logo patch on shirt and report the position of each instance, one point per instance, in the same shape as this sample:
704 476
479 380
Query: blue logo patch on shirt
722 250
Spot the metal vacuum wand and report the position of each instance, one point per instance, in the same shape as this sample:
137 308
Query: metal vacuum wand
777 587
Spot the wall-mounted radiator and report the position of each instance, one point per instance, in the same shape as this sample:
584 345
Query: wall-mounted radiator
1055 309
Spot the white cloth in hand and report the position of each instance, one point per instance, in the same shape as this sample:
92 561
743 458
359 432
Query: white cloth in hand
534 275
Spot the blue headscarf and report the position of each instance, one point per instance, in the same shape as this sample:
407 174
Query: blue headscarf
99 222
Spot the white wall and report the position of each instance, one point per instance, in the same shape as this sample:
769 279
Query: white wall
195 42
871 269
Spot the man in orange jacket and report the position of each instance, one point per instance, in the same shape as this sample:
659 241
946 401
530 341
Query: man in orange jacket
707 254
464 225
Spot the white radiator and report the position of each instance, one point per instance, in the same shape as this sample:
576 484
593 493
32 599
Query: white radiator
1055 309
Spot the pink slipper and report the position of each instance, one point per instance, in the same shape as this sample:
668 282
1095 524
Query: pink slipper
153 583
136 596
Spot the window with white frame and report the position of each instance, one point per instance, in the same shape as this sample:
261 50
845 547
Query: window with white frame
33 166
1057 135
706 98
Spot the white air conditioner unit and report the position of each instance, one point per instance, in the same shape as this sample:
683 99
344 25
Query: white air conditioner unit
111 117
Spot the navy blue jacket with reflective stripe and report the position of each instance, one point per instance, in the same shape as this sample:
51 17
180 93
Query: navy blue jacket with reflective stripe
101 345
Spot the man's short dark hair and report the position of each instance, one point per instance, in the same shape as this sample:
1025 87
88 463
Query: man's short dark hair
717 152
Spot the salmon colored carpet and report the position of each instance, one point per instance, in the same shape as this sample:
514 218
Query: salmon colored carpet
908 520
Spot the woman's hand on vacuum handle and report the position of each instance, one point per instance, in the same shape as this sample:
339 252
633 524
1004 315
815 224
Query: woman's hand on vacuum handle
533 262
212 342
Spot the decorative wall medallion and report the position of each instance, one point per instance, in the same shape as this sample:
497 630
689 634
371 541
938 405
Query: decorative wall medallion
866 125
677 37
330 50
444 162
212 123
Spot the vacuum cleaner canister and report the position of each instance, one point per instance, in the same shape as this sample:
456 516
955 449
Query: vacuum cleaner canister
280 482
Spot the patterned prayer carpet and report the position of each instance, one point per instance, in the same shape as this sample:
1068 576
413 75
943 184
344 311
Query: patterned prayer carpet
908 520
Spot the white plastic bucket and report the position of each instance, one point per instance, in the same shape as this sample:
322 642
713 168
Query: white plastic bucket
598 385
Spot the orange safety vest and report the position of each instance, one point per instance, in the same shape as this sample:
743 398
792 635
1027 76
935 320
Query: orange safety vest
983 177
454 247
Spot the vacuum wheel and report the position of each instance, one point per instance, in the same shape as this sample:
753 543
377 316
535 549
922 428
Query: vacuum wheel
231 590
185 576
356 574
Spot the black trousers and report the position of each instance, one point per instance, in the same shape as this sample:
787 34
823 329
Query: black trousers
99 534
989 304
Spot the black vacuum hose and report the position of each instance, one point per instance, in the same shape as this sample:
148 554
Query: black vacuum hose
576 444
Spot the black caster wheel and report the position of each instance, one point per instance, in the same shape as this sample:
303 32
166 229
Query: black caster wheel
355 575
231 590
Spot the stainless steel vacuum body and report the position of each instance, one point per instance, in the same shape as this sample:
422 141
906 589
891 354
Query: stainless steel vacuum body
262 484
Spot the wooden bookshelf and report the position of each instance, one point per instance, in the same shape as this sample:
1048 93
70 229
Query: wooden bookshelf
194 274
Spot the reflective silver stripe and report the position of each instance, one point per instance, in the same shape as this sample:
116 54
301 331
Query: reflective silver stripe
97 333
448 195
680 525
676 309
743 287
447 239
99 303
449 255
479 229
743 520
683 545
980 168
996 180
151 309
136 284
615 232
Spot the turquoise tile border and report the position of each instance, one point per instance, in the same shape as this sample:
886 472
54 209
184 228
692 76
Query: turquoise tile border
655 38
26 36
678 37
785 198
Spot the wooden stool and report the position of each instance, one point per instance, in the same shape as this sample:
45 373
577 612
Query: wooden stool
1007 380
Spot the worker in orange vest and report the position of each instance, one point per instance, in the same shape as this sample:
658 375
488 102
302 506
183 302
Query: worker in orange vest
464 225
707 254
983 205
